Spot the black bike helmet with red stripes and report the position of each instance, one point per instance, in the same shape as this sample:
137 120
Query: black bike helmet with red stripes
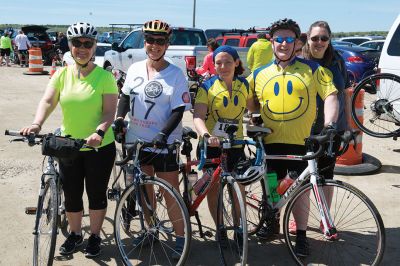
285 24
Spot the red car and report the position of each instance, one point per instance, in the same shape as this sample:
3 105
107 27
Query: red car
240 38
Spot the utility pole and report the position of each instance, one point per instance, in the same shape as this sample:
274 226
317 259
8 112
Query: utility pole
194 13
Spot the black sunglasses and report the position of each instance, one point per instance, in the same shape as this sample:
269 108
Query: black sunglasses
151 40
322 38
77 43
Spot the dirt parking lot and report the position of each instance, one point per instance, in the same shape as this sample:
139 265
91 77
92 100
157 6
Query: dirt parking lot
20 169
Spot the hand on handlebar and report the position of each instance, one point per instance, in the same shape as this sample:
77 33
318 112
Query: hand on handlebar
32 129
213 141
160 140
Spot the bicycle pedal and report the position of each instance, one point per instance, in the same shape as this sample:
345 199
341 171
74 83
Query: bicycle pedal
208 234
30 210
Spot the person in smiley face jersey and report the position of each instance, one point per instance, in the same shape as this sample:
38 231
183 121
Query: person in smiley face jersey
285 94
221 101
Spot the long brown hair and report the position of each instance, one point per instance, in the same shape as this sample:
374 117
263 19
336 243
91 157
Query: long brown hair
329 53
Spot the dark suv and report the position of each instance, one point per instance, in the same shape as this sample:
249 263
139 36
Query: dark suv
38 37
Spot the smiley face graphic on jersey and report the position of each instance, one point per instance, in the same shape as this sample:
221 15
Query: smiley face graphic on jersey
285 98
324 76
223 107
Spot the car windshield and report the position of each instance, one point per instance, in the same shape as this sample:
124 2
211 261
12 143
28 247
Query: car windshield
100 50
37 36
187 37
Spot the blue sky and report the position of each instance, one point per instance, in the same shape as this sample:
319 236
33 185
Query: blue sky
342 15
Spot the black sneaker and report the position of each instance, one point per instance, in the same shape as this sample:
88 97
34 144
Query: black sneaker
178 250
302 248
93 246
71 243
269 231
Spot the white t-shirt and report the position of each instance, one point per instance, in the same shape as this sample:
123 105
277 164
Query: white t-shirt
22 42
152 101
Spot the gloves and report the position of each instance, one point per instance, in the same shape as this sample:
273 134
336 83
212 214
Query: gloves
118 128
160 140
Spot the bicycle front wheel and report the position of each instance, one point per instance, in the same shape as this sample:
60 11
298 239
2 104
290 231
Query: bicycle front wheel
45 231
231 224
360 236
380 115
146 234
256 201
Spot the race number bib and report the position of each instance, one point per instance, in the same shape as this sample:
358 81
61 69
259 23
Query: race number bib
221 125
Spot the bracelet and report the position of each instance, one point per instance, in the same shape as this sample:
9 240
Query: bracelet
35 124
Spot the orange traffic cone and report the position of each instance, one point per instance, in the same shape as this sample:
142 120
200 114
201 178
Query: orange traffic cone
53 68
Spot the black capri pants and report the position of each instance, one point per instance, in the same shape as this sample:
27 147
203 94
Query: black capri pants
91 169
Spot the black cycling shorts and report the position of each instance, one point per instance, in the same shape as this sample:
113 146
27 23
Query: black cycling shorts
91 169
5 51
281 167
161 162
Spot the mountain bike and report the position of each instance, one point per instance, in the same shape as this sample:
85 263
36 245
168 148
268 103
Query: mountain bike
231 214
50 210
343 225
379 116
143 223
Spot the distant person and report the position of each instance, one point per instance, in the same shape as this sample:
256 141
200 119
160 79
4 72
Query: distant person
22 43
63 43
303 40
260 52
208 68
5 48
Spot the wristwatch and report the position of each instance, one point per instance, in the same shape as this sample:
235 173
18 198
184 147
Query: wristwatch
100 132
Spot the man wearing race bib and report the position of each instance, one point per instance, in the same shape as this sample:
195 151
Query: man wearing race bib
221 101
156 95
285 94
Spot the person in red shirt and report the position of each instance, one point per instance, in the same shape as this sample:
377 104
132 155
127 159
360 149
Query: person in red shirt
208 69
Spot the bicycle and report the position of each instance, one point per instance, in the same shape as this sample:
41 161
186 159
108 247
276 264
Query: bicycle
196 81
50 211
381 105
231 214
141 213
343 225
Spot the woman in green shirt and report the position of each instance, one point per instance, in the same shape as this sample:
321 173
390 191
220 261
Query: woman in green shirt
5 48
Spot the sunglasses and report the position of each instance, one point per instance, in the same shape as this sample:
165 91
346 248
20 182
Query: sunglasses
318 38
280 39
151 40
78 44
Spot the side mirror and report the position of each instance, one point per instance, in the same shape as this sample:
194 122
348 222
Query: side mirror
114 46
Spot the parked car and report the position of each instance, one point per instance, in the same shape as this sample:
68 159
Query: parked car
214 33
360 39
375 44
111 37
240 38
389 62
38 37
99 55
53 36
360 61
343 43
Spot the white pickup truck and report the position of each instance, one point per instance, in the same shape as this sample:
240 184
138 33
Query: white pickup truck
187 50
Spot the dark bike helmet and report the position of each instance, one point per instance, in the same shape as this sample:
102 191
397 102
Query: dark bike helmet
246 173
81 29
285 24
156 27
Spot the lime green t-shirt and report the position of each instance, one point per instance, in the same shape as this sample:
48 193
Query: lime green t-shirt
81 100
5 42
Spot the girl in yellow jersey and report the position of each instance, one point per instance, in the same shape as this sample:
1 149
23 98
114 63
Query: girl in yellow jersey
221 101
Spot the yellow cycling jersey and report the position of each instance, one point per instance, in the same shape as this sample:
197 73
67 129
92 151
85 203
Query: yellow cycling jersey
224 109
287 98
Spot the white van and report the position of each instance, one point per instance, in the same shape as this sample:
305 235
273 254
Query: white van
389 62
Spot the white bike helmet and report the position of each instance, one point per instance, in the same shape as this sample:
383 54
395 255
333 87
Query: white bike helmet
246 173
81 29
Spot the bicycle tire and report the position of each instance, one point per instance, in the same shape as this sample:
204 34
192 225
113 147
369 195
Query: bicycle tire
255 206
366 227
46 225
377 121
62 221
234 249
162 231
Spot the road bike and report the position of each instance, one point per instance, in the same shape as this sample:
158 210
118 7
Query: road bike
343 225
379 115
50 211
231 214
144 225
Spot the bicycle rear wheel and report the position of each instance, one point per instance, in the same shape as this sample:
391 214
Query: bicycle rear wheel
360 237
158 237
381 111
231 224
256 201
46 225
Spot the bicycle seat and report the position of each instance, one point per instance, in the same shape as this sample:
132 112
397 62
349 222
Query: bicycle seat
187 132
253 131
